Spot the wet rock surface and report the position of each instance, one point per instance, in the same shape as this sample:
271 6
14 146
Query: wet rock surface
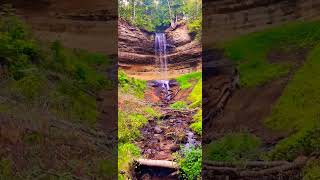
163 136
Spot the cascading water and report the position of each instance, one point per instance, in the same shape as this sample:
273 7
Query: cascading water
161 54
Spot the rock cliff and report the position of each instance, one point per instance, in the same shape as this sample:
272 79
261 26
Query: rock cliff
137 55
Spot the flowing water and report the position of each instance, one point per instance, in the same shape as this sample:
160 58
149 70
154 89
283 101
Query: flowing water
161 60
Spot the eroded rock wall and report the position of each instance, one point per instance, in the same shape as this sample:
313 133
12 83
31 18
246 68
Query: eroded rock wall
224 19
136 51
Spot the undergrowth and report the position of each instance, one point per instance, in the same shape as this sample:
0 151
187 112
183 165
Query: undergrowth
233 148
297 111
60 80
250 51
185 81
191 163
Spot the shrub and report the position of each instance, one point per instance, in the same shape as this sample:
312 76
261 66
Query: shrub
191 163
233 147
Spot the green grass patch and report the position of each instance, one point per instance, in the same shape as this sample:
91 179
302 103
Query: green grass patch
233 147
131 85
179 105
185 81
250 51
196 126
298 109
196 95
126 153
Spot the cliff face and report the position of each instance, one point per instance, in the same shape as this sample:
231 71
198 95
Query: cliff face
137 55
90 25
224 19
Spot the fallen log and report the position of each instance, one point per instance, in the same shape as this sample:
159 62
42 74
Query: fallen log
246 164
158 163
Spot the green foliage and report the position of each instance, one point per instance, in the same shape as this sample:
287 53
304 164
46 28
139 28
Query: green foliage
129 126
185 81
30 87
233 147
191 163
305 142
58 79
196 126
312 170
195 27
196 95
250 51
106 168
298 109
17 50
156 15
131 85
126 153
6 169
179 105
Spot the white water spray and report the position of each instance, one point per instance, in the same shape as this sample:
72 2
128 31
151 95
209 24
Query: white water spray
161 54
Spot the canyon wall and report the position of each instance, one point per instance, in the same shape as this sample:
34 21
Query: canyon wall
85 24
136 51
224 19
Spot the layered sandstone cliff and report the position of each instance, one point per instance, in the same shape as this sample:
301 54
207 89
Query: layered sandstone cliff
224 19
136 51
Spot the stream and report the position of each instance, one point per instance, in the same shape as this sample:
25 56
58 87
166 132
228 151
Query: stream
162 137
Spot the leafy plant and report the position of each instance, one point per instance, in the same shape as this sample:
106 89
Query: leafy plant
233 147
191 163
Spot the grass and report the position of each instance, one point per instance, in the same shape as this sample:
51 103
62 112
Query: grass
126 153
185 81
133 114
196 126
298 110
250 51
195 96
131 85
42 82
60 80
179 105
233 148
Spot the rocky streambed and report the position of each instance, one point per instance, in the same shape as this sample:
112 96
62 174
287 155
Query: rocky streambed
162 137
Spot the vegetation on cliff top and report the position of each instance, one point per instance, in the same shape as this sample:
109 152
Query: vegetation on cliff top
157 15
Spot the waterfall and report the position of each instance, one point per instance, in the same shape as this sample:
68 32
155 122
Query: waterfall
161 54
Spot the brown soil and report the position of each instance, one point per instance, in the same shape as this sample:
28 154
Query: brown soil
160 138
247 109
